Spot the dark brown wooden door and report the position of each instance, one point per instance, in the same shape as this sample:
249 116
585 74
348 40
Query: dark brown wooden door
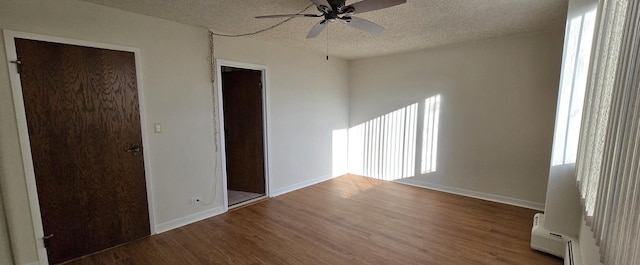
83 118
244 141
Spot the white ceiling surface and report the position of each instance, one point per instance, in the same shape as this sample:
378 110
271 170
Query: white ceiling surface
418 24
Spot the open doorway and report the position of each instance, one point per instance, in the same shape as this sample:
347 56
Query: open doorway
244 134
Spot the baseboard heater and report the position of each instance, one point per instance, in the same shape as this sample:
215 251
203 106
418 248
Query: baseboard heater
572 253
554 243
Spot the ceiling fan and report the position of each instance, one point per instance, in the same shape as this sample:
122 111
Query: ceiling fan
333 10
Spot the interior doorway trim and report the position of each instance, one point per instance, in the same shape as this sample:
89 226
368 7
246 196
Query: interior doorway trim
223 156
25 145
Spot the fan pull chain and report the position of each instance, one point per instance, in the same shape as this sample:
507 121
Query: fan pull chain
328 40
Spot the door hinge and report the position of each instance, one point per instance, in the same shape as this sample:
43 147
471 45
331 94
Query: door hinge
260 85
18 65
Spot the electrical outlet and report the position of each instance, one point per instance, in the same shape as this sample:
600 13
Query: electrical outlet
195 200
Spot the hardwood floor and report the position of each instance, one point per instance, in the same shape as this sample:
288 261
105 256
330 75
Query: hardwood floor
346 220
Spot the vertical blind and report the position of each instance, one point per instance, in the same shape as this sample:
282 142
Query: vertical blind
608 164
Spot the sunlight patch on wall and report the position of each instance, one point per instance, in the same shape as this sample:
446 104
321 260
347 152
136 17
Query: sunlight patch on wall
339 152
430 134
386 147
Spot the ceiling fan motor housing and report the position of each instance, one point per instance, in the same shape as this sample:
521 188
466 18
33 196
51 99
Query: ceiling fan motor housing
337 4
337 7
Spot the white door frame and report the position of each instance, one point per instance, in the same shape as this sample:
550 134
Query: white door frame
25 145
223 154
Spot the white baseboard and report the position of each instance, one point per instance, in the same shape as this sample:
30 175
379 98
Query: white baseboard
290 188
474 194
166 226
175 223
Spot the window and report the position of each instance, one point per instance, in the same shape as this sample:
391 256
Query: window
572 87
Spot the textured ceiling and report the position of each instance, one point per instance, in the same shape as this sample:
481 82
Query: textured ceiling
418 24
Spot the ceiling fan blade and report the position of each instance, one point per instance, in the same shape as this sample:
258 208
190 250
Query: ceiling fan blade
290 15
363 24
322 3
315 31
371 5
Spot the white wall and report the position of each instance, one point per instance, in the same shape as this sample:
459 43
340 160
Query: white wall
497 111
562 209
307 101
5 246
589 251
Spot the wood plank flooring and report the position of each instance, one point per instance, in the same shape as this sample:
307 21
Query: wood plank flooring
346 220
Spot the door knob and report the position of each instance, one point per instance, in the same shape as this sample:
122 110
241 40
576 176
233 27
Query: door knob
135 148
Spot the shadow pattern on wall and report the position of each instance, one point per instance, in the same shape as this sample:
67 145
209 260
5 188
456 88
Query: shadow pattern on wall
386 147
